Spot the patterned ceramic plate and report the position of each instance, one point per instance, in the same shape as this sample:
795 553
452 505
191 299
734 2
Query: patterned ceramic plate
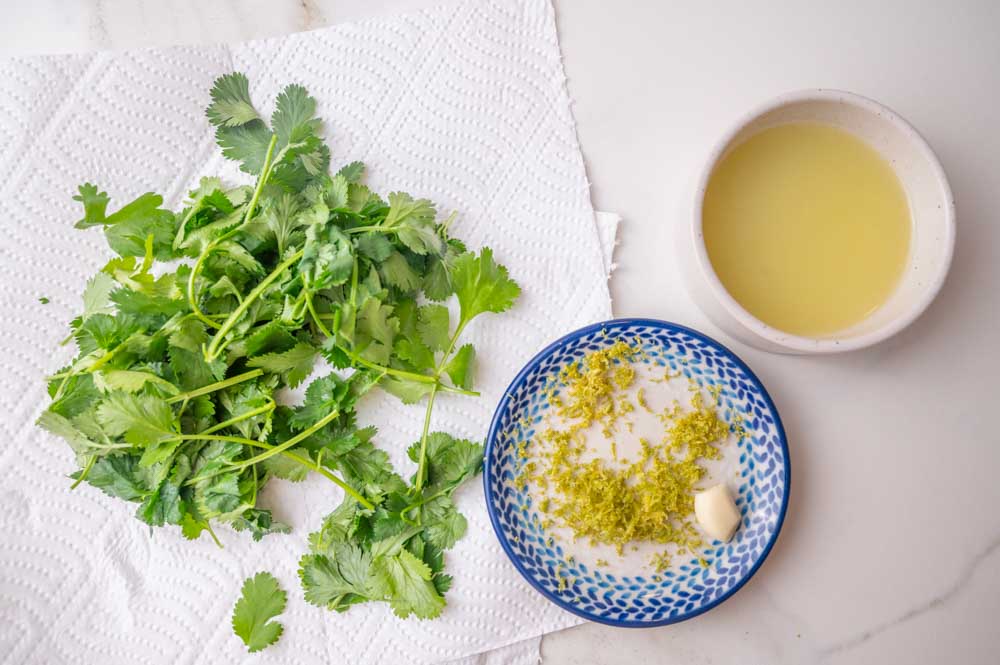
623 591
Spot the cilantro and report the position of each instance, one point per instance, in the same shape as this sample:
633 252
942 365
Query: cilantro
188 339
261 599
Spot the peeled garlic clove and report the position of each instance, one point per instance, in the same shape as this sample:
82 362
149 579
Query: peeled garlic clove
717 512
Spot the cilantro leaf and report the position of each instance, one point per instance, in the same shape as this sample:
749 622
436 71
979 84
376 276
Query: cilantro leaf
482 285
97 296
246 144
443 524
413 222
261 599
95 204
143 419
336 581
119 476
352 172
295 364
461 367
231 105
405 581
449 460
433 326
327 258
293 117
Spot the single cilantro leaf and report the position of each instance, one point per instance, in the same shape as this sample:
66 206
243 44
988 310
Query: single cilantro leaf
413 222
231 105
97 296
246 144
293 116
143 419
437 283
192 527
119 476
415 353
132 381
376 321
461 367
334 354
369 469
482 285
352 172
191 370
407 390
54 423
433 326
336 581
79 393
374 246
218 495
261 599
295 364
324 395
95 204
443 524
273 337
151 311
405 582
396 271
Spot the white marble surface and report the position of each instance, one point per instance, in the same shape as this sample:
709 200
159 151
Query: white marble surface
891 549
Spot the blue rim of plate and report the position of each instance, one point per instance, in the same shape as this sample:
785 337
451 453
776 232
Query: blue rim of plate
495 425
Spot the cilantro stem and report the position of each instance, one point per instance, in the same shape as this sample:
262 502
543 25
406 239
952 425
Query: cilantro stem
218 385
192 301
208 527
83 474
290 455
418 483
451 347
422 468
265 174
213 350
312 310
402 374
367 229
243 416
301 436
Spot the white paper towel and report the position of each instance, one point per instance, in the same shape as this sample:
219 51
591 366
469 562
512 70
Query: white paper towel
464 105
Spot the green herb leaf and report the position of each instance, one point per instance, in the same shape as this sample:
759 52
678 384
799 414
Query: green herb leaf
261 599
461 368
295 364
231 105
482 285
143 419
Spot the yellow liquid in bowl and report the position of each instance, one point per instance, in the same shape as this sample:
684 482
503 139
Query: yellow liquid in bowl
807 227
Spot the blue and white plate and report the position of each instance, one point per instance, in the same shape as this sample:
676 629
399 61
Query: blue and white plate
623 592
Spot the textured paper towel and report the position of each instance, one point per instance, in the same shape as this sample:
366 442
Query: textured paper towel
464 105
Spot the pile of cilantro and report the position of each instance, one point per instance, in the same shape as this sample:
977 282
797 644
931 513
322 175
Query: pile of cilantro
189 335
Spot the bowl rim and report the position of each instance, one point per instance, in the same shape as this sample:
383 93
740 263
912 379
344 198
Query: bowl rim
834 344
495 427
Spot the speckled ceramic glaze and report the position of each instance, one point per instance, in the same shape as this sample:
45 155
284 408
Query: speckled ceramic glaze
638 598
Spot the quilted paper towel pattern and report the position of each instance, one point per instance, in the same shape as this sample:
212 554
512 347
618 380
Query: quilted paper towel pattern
465 105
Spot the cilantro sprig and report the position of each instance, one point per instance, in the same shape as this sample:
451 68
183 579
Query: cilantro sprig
188 336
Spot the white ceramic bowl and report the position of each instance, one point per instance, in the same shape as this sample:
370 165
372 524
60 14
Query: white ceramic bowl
931 208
